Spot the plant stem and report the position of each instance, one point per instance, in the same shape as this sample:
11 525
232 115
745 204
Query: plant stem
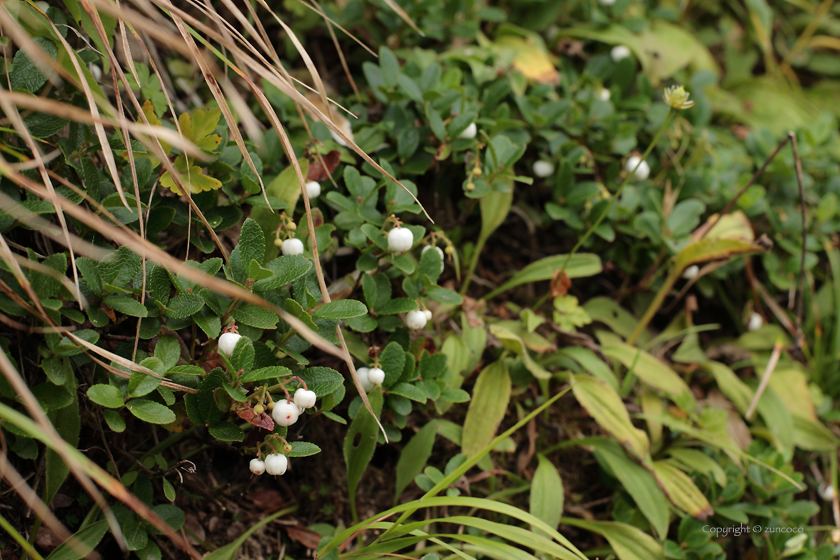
654 306
479 245
617 193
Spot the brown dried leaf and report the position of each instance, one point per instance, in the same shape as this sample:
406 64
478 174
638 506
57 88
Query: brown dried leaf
304 536
560 284
317 172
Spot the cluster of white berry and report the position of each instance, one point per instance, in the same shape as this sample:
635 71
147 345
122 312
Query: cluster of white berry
274 464
370 377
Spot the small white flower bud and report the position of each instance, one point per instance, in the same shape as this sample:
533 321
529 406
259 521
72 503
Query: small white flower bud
227 342
400 239
304 398
415 320
276 464
257 467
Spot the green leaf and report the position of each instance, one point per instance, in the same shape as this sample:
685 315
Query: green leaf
89 537
251 246
255 316
681 491
604 405
168 351
183 306
126 305
303 449
28 76
228 552
494 209
408 391
360 443
114 420
730 385
322 380
397 305
414 456
90 274
628 542
150 411
511 341
546 501
695 460
591 363
52 397
286 269
226 431
392 362
67 422
389 66
242 357
341 309
636 479
106 395
444 295
271 372
580 265
491 395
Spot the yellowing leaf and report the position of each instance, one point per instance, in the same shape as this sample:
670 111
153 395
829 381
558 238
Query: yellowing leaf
732 226
681 490
646 367
531 59
198 125
194 178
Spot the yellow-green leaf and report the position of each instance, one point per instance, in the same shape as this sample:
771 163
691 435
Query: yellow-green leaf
546 501
490 398
730 385
604 405
198 126
195 178
512 342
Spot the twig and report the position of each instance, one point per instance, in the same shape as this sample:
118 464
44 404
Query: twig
800 337
765 379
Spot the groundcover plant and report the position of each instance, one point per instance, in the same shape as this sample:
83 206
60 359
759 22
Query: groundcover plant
419 279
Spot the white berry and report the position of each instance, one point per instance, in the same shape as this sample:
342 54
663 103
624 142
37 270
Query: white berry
364 377
619 52
292 247
440 252
543 168
604 94
95 71
285 413
428 314
826 492
756 322
606 2
641 172
415 320
305 398
43 5
257 466
376 376
227 342
469 132
691 272
276 464
313 189
400 239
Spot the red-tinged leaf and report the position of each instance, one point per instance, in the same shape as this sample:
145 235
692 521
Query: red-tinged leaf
317 172
259 420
